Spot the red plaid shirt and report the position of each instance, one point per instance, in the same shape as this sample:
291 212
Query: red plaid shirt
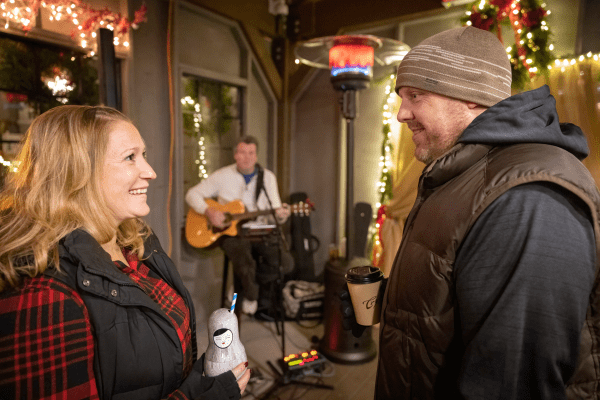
46 341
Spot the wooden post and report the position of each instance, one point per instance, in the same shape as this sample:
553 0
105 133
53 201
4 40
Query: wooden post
107 74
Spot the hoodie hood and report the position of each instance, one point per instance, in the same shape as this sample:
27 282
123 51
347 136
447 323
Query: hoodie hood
528 117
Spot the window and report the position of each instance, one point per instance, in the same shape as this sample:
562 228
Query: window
35 77
211 124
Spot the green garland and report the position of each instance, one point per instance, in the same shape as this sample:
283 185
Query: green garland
221 101
386 174
387 148
532 54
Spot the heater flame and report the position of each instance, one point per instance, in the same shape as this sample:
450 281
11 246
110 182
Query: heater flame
357 58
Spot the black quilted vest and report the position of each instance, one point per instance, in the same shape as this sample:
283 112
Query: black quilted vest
417 327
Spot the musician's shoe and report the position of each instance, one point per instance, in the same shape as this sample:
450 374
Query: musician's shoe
249 306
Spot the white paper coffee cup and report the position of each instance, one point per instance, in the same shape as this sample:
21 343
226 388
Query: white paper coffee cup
363 285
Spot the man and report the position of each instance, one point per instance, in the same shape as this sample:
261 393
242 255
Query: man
493 293
239 181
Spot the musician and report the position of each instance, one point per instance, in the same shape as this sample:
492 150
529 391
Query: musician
257 188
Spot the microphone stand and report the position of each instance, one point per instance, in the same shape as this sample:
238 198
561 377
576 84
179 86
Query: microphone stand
278 304
282 379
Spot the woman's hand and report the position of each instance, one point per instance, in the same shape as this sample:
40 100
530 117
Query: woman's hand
242 376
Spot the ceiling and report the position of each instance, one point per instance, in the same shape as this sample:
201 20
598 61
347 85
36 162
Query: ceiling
314 18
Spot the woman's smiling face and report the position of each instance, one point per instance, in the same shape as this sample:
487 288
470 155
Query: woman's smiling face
126 174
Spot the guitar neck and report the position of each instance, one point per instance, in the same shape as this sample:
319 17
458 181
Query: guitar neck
250 215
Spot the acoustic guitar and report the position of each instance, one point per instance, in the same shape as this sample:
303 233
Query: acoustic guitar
199 232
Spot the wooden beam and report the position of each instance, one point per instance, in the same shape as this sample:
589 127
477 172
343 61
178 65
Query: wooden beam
109 84
257 42
328 17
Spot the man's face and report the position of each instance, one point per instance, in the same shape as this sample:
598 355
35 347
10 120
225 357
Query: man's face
436 121
245 157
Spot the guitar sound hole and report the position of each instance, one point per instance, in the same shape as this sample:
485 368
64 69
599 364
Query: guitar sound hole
218 230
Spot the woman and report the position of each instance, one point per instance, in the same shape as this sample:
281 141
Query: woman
91 307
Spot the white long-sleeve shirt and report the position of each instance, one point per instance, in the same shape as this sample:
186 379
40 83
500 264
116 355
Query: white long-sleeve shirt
228 184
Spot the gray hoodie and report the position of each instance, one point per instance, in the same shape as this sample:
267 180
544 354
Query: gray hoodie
524 272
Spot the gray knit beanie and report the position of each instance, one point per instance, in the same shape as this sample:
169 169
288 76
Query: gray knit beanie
463 63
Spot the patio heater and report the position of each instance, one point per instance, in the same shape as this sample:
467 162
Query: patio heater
353 60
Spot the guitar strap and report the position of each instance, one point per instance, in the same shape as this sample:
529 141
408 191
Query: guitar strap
259 184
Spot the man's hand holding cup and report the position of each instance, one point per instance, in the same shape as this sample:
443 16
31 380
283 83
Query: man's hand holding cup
361 298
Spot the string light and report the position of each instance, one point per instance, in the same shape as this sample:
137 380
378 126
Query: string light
568 62
60 86
12 166
384 185
85 18
197 116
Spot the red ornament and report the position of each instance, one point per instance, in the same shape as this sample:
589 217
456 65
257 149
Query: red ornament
381 216
533 18
378 250
478 21
503 5
123 26
140 15
16 98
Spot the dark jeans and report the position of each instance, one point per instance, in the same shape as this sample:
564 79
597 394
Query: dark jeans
256 262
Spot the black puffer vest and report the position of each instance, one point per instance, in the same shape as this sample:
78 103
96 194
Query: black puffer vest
137 352
417 328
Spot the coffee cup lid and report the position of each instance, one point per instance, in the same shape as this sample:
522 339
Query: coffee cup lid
366 274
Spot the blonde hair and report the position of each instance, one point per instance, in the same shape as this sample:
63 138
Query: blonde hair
56 190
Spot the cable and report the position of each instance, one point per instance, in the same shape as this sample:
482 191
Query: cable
324 374
172 122
319 322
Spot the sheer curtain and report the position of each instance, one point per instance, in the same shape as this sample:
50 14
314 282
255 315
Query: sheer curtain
405 179
575 87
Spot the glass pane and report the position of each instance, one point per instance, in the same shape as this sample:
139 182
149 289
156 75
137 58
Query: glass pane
48 75
35 77
211 125
222 53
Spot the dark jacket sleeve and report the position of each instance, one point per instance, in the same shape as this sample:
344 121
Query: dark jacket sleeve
199 387
523 277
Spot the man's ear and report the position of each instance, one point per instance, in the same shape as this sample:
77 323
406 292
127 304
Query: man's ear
476 109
